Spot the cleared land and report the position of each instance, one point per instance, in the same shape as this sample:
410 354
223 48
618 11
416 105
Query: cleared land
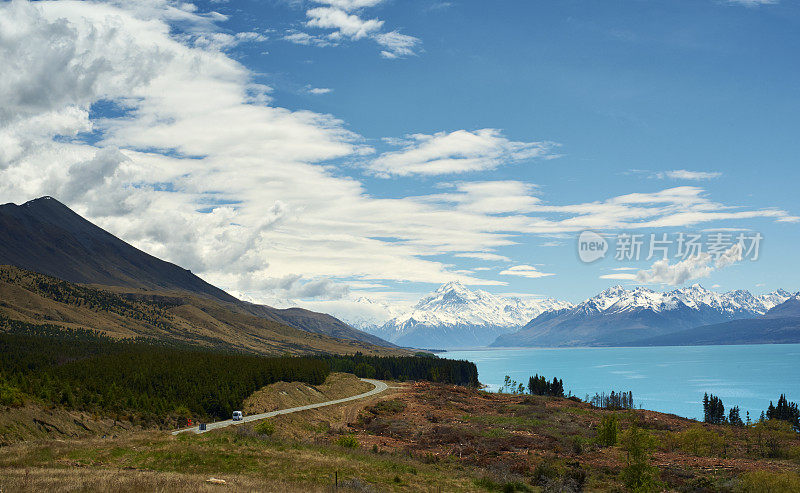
416 437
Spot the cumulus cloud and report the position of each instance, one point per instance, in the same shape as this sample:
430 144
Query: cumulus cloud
84 177
294 286
196 165
523 270
343 24
691 268
223 41
455 152
344 19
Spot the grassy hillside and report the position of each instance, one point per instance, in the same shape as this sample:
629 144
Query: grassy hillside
428 437
35 298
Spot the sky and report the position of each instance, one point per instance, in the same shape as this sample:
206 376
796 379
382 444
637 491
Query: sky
317 152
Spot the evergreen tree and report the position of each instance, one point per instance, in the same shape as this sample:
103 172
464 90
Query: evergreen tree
713 409
734 417
785 411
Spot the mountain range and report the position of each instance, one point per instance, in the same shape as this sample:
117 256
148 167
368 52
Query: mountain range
620 316
455 316
780 325
44 236
47 237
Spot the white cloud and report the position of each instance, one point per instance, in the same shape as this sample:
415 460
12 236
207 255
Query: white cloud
753 3
350 5
694 267
619 277
455 152
318 90
491 197
491 257
682 174
344 24
344 19
523 270
673 207
203 170
397 45
619 274
223 41
306 39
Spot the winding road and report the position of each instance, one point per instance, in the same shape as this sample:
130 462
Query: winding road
379 387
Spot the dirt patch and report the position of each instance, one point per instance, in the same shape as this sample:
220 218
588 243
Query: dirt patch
34 422
283 395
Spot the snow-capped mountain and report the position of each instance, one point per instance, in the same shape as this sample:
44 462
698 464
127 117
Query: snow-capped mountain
370 314
455 316
780 325
619 316
618 299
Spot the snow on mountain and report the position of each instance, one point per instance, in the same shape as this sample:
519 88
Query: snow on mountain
369 314
454 315
618 299
620 316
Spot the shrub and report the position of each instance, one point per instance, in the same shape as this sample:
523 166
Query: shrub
545 471
768 482
348 441
392 406
697 440
506 487
265 428
607 431
771 438
638 475
577 445
10 396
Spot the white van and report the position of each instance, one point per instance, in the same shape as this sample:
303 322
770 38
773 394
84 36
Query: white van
237 415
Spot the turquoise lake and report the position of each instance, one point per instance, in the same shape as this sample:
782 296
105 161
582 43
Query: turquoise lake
667 379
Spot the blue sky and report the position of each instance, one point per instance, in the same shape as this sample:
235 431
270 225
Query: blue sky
567 106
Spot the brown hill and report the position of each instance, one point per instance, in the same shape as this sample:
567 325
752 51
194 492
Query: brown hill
35 298
45 236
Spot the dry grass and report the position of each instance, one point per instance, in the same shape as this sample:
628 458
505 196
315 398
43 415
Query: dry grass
35 422
195 319
124 481
283 395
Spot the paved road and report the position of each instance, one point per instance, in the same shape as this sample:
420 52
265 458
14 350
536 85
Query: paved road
379 387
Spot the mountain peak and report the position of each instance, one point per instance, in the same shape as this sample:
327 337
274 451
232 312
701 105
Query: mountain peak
44 201
40 199
454 316
451 286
